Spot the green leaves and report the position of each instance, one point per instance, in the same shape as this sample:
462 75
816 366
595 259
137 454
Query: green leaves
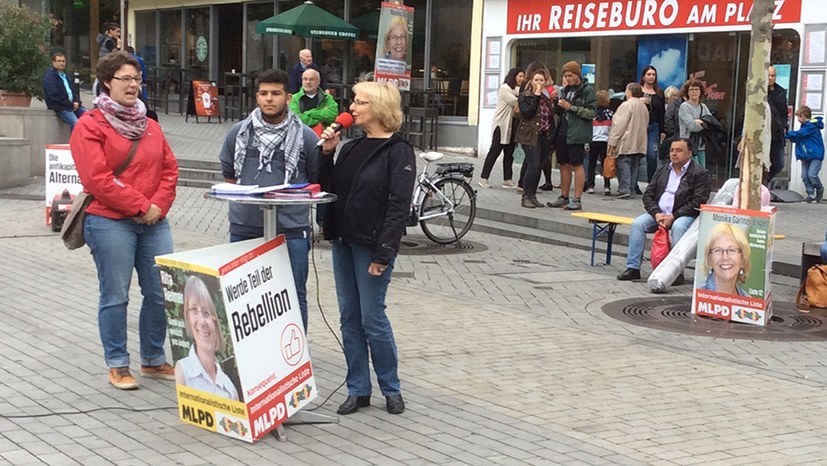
24 49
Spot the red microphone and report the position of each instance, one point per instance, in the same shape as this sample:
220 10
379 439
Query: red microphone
343 121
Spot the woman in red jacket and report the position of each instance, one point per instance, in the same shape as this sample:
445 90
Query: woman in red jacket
126 226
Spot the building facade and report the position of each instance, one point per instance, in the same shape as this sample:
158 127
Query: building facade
706 39
198 39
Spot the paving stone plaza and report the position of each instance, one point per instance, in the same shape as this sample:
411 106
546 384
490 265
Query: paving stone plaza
506 357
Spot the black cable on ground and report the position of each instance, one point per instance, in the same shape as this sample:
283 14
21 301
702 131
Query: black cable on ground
321 310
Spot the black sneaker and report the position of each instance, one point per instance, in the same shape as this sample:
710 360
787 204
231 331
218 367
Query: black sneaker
629 274
546 187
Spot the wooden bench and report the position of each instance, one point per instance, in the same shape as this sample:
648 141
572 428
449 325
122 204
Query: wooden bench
603 223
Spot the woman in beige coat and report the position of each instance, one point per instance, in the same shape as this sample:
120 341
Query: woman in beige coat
504 129
628 139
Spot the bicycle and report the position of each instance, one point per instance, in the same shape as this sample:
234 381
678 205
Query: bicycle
443 203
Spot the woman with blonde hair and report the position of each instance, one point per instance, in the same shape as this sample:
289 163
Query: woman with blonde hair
396 39
200 369
373 177
727 261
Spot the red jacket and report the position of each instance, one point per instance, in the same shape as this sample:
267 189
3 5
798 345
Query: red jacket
150 178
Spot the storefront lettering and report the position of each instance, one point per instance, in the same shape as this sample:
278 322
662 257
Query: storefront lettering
531 16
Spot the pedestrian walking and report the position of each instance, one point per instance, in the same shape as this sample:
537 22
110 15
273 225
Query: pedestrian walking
809 150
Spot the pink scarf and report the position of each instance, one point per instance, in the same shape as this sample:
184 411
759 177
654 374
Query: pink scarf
129 122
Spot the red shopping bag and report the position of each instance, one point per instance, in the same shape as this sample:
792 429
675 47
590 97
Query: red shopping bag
660 246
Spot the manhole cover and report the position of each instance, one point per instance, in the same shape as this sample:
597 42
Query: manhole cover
422 246
674 314
414 245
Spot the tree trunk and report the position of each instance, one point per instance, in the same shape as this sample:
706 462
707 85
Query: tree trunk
756 137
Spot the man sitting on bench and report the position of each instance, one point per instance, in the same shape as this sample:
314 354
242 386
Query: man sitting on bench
672 200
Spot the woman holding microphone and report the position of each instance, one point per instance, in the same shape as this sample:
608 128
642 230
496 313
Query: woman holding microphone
373 177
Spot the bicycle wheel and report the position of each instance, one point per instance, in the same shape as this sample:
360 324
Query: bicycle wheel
452 225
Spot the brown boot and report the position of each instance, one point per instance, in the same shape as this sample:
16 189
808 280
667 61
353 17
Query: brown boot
536 202
527 203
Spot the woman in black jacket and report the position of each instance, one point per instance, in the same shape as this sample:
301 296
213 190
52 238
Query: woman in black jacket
373 177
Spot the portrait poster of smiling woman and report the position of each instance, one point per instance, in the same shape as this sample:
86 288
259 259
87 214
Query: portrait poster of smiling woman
199 334
394 45
733 266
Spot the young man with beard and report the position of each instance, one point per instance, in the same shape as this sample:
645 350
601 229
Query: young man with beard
271 147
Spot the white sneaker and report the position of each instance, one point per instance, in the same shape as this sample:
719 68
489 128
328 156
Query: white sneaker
483 183
508 184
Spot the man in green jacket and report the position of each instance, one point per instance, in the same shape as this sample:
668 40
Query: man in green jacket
314 107
574 133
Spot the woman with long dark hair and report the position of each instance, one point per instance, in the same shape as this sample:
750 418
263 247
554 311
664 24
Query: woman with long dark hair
654 100
536 129
505 126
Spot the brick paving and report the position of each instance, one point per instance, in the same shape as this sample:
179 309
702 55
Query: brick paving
505 358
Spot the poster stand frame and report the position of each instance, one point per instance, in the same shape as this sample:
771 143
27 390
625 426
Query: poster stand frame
191 106
270 208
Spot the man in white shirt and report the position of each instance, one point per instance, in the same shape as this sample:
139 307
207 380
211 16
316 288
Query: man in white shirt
672 200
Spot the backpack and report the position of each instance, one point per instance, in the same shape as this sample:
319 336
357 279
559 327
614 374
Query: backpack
813 292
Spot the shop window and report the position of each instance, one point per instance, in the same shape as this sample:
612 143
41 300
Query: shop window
197 43
145 37
170 38
259 46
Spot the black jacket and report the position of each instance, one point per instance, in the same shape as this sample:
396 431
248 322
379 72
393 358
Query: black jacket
54 92
657 110
777 98
377 209
693 191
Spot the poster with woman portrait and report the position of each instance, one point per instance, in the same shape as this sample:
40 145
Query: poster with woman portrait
242 365
394 45
733 266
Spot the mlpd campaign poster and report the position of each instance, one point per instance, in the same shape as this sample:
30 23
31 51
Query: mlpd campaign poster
60 174
734 263
242 366
394 45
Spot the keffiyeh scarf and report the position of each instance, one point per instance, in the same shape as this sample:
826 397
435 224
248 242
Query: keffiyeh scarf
129 122
267 137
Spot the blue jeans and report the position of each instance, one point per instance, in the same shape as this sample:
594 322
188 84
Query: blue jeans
627 172
118 247
364 323
71 117
809 174
700 158
652 144
644 224
823 250
298 250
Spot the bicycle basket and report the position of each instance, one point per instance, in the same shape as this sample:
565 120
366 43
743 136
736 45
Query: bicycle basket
463 168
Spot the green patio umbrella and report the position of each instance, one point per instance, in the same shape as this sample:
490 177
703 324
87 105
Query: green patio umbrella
308 20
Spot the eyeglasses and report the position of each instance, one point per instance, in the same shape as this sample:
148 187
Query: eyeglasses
129 79
360 102
395 38
731 252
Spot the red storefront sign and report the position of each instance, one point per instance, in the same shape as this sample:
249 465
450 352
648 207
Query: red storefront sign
549 16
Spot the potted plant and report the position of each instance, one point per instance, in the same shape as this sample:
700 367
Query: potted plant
23 54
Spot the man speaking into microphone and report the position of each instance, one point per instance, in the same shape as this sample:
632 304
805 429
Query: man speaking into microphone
272 147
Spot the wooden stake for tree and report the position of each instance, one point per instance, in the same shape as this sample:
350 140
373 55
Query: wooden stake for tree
756 137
